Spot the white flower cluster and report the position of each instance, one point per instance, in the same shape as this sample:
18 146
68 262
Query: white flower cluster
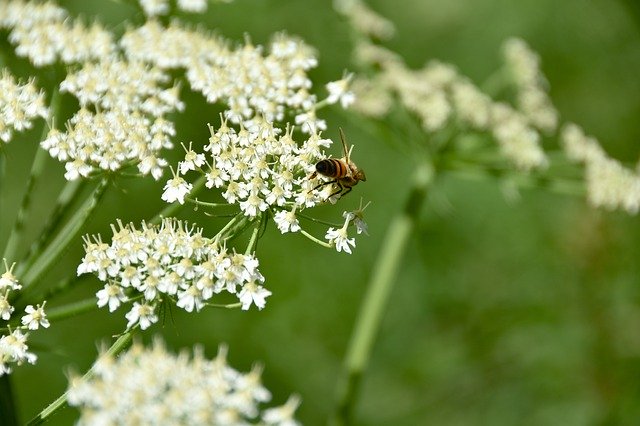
153 8
438 94
261 168
533 100
13 346
168 262
257 167
156 387
364 20
609 183
42 33
248 81
20 104
128 127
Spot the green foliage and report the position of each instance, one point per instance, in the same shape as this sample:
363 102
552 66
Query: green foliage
523 312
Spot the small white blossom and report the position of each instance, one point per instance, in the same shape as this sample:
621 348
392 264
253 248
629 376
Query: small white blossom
14 350
8 281
176 189
193 6
283 415
253 293
287 221
111 295
142 314
340 239
339 91
154 7
5 307
35 317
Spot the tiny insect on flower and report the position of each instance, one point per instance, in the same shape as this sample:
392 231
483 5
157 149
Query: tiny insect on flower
343 172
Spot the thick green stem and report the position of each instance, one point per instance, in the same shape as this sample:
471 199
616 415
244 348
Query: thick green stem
7 402
228 226
254 237
375 300
556 184
72 309
118 346
54 251
67 197
15 235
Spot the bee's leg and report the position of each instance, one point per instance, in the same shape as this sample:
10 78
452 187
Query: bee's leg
323 184
340 189
349 188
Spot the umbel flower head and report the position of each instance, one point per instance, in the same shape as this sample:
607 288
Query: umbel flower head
170 262
121 121
13 345
153 386
256 167
20 104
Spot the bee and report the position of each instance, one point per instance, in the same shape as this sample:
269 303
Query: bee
343 172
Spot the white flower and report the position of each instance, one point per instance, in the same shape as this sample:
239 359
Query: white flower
192 160
340 238
111 295
141 314
339 91
193 6
253 293
253 204
13 349
35 317
154 7
283 415
190 299
357 218
76 168
176 189
5 308
7 279
287 221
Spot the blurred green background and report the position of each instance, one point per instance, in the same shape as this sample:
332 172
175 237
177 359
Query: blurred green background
503 313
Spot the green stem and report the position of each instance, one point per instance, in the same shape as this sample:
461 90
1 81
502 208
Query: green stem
72 309
205 203
254 237
7 402
118 346
559 185
229 224
15 235
229 306
68 196
315 240
173 208
54 251
375 300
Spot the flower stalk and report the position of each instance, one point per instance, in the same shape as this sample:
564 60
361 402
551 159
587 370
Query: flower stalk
58 246
37 167
375 301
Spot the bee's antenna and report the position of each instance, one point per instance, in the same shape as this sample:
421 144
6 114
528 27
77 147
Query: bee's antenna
347 153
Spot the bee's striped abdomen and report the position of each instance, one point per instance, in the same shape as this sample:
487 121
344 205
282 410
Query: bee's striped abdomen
330 167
